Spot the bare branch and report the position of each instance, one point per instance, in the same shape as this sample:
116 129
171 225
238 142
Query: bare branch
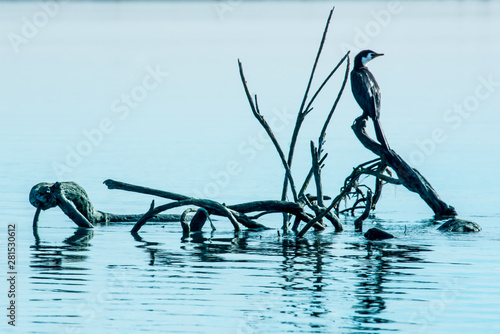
111 184
337 99
309 177
216 207
322 43
303 112
316 167
408 176
381 176
265 125
309 108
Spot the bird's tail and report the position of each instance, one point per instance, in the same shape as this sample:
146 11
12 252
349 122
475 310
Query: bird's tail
380 134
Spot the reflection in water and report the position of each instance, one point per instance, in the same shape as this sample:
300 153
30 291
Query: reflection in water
382 262
205 249
304 278
308 273
55 257
273 283
59 275
305 283
302 270
301 278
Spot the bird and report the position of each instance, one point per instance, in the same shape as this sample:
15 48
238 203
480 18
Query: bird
366 91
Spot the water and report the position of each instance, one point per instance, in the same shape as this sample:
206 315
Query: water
193 133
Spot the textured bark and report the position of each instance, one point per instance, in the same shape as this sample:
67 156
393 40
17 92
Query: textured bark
73 200
459 225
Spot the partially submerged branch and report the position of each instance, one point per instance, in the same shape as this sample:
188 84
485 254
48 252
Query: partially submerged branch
238 211
358 223
73 200
407 176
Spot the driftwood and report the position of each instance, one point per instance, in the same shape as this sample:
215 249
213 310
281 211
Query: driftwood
73 200
407 176
237 214
358 223
305 208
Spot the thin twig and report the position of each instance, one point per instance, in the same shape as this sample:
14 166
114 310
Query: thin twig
309 177
323 39
317 174
337 99
328 79
381 176
303 112
265 125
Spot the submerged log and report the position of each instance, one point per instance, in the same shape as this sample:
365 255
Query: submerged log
73 200
408 176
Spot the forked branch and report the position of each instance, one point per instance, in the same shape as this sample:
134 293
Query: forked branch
265 125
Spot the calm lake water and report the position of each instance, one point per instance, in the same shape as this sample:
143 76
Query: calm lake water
149 93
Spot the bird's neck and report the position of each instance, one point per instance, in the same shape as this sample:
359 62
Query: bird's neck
359 66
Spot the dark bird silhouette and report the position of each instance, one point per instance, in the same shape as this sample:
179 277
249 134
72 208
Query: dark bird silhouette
367 92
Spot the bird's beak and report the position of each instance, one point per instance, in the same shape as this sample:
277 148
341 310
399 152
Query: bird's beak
377 55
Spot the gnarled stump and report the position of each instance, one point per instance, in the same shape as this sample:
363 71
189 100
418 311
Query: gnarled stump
73 200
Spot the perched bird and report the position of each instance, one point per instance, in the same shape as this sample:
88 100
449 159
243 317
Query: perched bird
367 92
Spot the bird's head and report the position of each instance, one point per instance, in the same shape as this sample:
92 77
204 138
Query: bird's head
364 57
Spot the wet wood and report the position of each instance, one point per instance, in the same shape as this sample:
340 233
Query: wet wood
358 223
235 213
407 176
73 200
